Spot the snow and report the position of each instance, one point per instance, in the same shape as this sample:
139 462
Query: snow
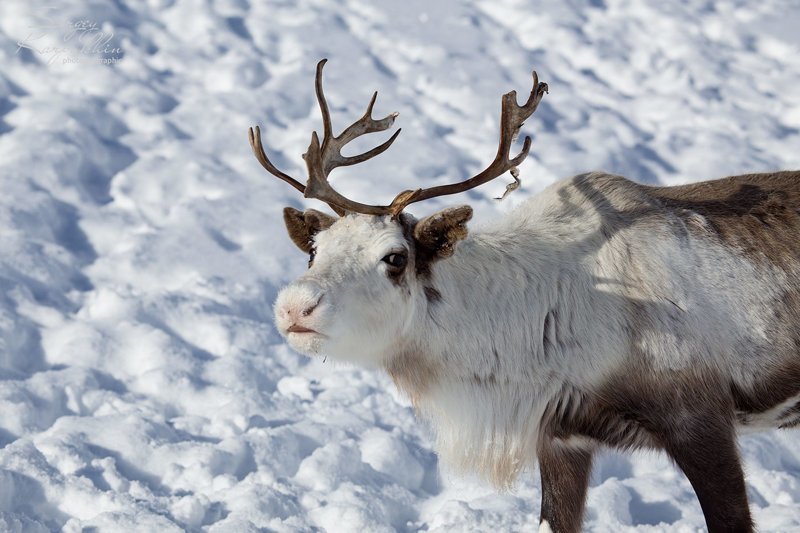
142 383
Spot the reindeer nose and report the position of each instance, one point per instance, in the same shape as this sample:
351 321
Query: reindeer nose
296 304
293 312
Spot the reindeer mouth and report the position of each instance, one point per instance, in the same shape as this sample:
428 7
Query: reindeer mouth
294 328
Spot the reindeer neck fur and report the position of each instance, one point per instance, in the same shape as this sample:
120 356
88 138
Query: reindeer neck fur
486 394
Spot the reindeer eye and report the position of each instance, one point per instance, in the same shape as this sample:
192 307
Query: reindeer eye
396 261
311 255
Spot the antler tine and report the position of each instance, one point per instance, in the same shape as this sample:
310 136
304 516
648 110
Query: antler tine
512 117
327 129
258 151
332 145
517 115
322 157
366 124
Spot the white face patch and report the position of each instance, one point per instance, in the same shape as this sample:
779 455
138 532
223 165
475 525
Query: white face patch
351 298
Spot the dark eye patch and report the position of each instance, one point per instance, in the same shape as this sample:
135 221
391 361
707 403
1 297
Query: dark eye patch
311 255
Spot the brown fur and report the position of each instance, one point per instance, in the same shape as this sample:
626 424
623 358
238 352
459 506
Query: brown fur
435 237
441 231
432 295
755 214
790 417
775 387
413 374
303 225
758 214
688 414
565 479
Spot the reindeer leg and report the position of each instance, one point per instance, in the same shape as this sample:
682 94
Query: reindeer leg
706 452
565 479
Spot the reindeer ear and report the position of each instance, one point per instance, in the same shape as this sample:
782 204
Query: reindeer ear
439 233
303 225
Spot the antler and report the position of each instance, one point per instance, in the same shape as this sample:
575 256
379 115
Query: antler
512 117
322 158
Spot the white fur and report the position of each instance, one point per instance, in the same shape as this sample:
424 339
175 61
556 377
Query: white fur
361 314
496 291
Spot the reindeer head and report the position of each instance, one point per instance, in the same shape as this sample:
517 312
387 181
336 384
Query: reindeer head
370 268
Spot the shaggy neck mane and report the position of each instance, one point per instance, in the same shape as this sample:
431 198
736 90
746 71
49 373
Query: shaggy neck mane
487 405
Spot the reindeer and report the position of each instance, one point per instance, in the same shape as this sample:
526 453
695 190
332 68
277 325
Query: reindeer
601 312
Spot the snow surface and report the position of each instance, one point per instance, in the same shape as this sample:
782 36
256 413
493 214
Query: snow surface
142 383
